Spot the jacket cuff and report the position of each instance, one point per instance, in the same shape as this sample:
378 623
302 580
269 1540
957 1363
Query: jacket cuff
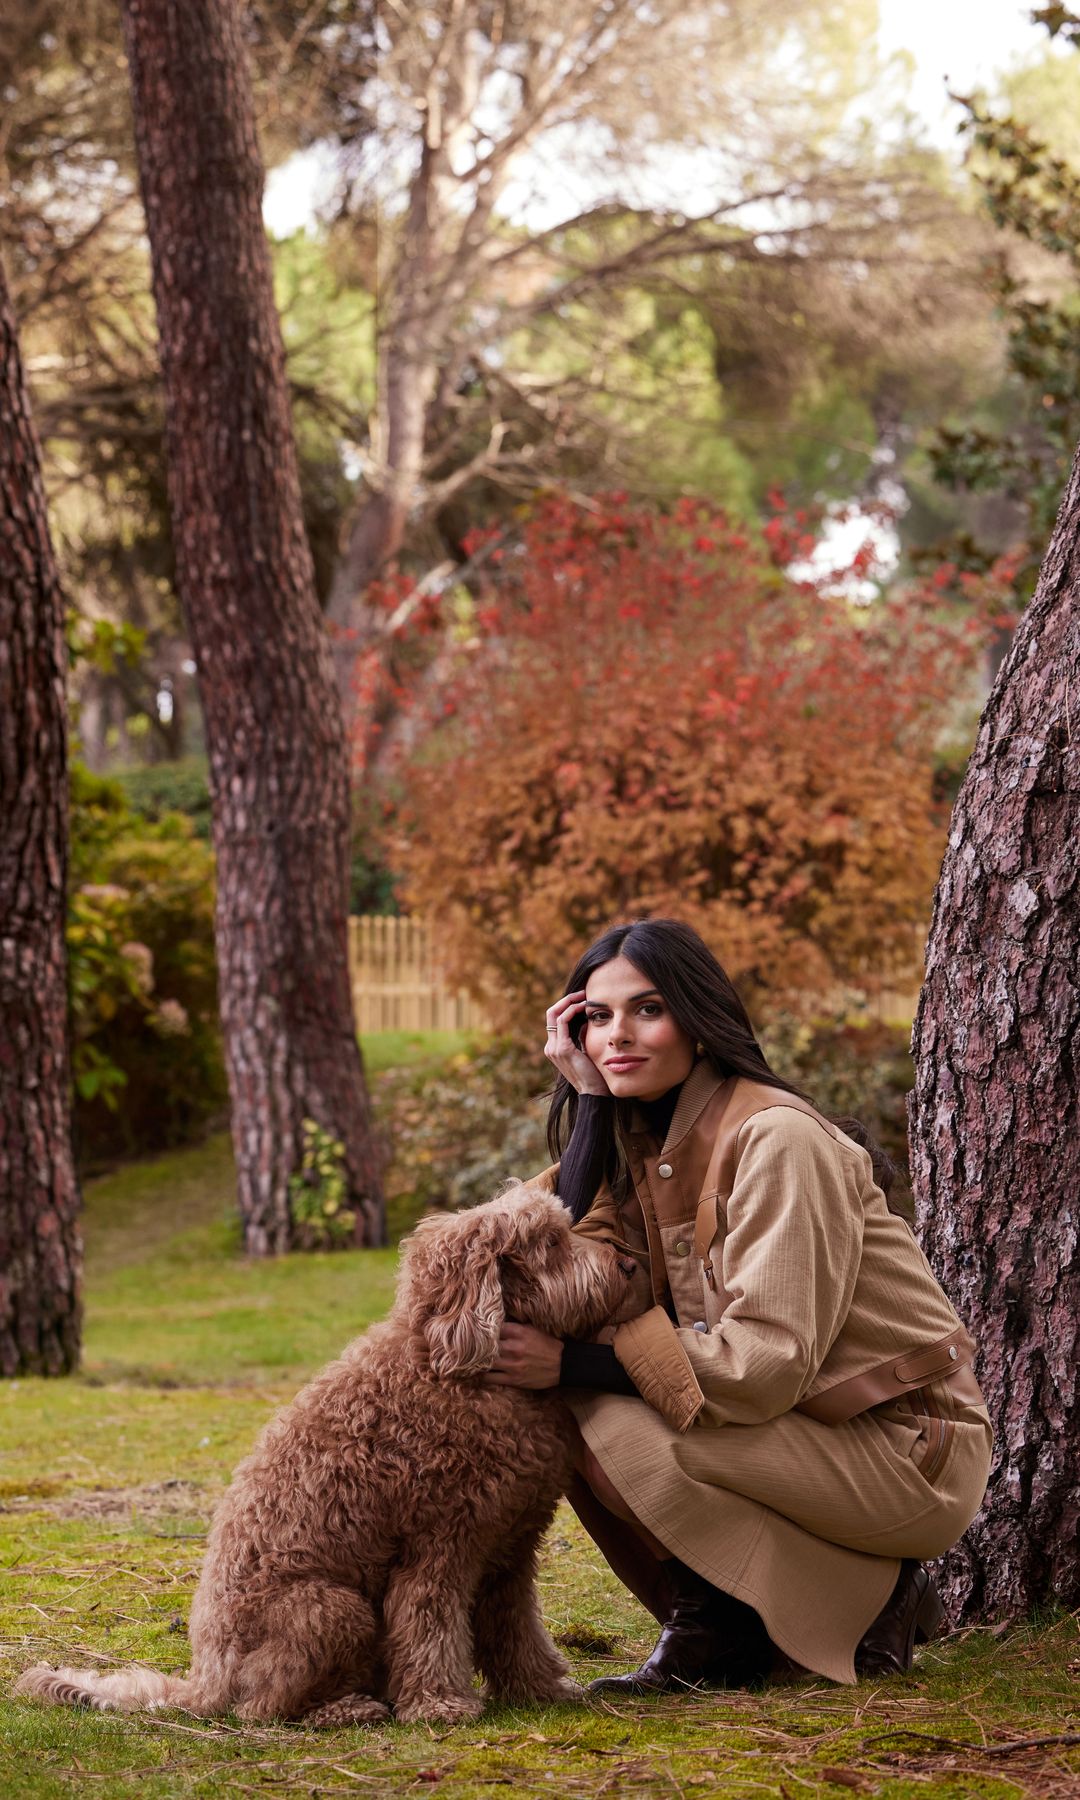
649 1349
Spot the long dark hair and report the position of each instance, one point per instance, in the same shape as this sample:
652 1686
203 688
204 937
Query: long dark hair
703 1001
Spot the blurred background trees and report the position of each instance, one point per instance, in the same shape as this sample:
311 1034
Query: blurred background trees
735 274
712 284
1010 458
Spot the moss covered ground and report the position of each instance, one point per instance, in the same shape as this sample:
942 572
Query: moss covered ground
106 1485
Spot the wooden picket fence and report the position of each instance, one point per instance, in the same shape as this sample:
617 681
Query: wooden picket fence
396 981
397 984
895 1005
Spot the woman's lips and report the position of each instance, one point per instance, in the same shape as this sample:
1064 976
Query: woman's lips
624 1062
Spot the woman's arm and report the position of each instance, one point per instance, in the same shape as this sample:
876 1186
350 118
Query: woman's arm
593 1366
582 1167
790 1261
528 1358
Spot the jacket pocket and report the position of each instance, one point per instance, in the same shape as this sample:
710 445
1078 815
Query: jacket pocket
714 1298
932 1452
684 1277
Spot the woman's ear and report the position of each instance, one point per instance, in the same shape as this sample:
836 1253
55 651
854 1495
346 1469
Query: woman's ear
464 1303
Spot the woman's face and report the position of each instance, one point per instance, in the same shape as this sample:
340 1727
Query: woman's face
630 1034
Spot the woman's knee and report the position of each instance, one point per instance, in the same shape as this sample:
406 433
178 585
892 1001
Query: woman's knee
604 1489
591 1470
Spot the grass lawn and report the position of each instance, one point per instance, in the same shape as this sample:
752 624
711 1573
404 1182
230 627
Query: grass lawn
396 1049
106 1484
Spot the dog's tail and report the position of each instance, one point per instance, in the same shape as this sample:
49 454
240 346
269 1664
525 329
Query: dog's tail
118 1690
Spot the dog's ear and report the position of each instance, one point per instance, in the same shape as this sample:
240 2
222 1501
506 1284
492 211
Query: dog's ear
538 1219
456 1294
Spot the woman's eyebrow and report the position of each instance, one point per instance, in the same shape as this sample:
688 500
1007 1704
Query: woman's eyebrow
647 995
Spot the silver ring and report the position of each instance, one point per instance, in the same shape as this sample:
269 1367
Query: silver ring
552 1028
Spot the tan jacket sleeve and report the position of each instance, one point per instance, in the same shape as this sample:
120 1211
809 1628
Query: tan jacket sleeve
651 1351
790 1260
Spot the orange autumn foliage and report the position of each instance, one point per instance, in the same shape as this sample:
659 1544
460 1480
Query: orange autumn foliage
654 718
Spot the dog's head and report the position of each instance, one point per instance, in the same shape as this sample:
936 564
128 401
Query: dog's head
516 1257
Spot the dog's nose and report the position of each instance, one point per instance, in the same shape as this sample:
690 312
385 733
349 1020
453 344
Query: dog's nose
628 1266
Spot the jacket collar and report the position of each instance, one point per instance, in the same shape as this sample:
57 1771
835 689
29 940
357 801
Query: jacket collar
694 1096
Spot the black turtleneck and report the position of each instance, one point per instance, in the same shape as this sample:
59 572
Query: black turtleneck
582 1167
581 1171
659 1113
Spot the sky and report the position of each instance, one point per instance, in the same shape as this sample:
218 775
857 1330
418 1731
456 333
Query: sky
966 41
962 42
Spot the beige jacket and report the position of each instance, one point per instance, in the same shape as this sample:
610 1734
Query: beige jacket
792 1283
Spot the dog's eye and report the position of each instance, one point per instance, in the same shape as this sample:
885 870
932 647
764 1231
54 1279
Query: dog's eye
553 1240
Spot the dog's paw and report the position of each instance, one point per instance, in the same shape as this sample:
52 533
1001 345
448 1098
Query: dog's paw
350 1709
564 1688
439 1709
547 1692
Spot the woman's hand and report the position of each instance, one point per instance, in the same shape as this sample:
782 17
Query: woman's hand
580 1070
527 1358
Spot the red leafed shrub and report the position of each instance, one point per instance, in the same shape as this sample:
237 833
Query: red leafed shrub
654 718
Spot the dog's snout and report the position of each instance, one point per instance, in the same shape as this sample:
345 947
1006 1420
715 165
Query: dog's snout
628 1266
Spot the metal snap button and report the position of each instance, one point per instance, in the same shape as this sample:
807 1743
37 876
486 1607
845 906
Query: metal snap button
700 1325
665 1169
682 1249
953 1353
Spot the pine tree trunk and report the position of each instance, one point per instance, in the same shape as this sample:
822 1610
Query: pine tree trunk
995 1116
274 731
40 1248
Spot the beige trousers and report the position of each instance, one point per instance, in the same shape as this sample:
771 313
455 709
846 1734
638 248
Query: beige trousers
805 1522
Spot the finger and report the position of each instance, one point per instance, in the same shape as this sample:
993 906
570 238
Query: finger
559 1007
562 1023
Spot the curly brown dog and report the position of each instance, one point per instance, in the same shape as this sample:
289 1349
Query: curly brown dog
382 1537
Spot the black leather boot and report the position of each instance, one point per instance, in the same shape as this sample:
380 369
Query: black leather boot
708 1639
913 1612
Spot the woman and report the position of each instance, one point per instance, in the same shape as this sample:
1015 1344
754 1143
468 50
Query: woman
791 1422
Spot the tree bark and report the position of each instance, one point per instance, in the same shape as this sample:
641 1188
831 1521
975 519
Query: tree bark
995 1131
275 739
40 1247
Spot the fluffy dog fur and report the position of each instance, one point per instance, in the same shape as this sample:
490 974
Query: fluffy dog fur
382 1536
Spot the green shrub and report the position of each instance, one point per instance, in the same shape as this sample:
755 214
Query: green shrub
156 789
455 1133
317 1193
146 1044
372 882
851 1068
